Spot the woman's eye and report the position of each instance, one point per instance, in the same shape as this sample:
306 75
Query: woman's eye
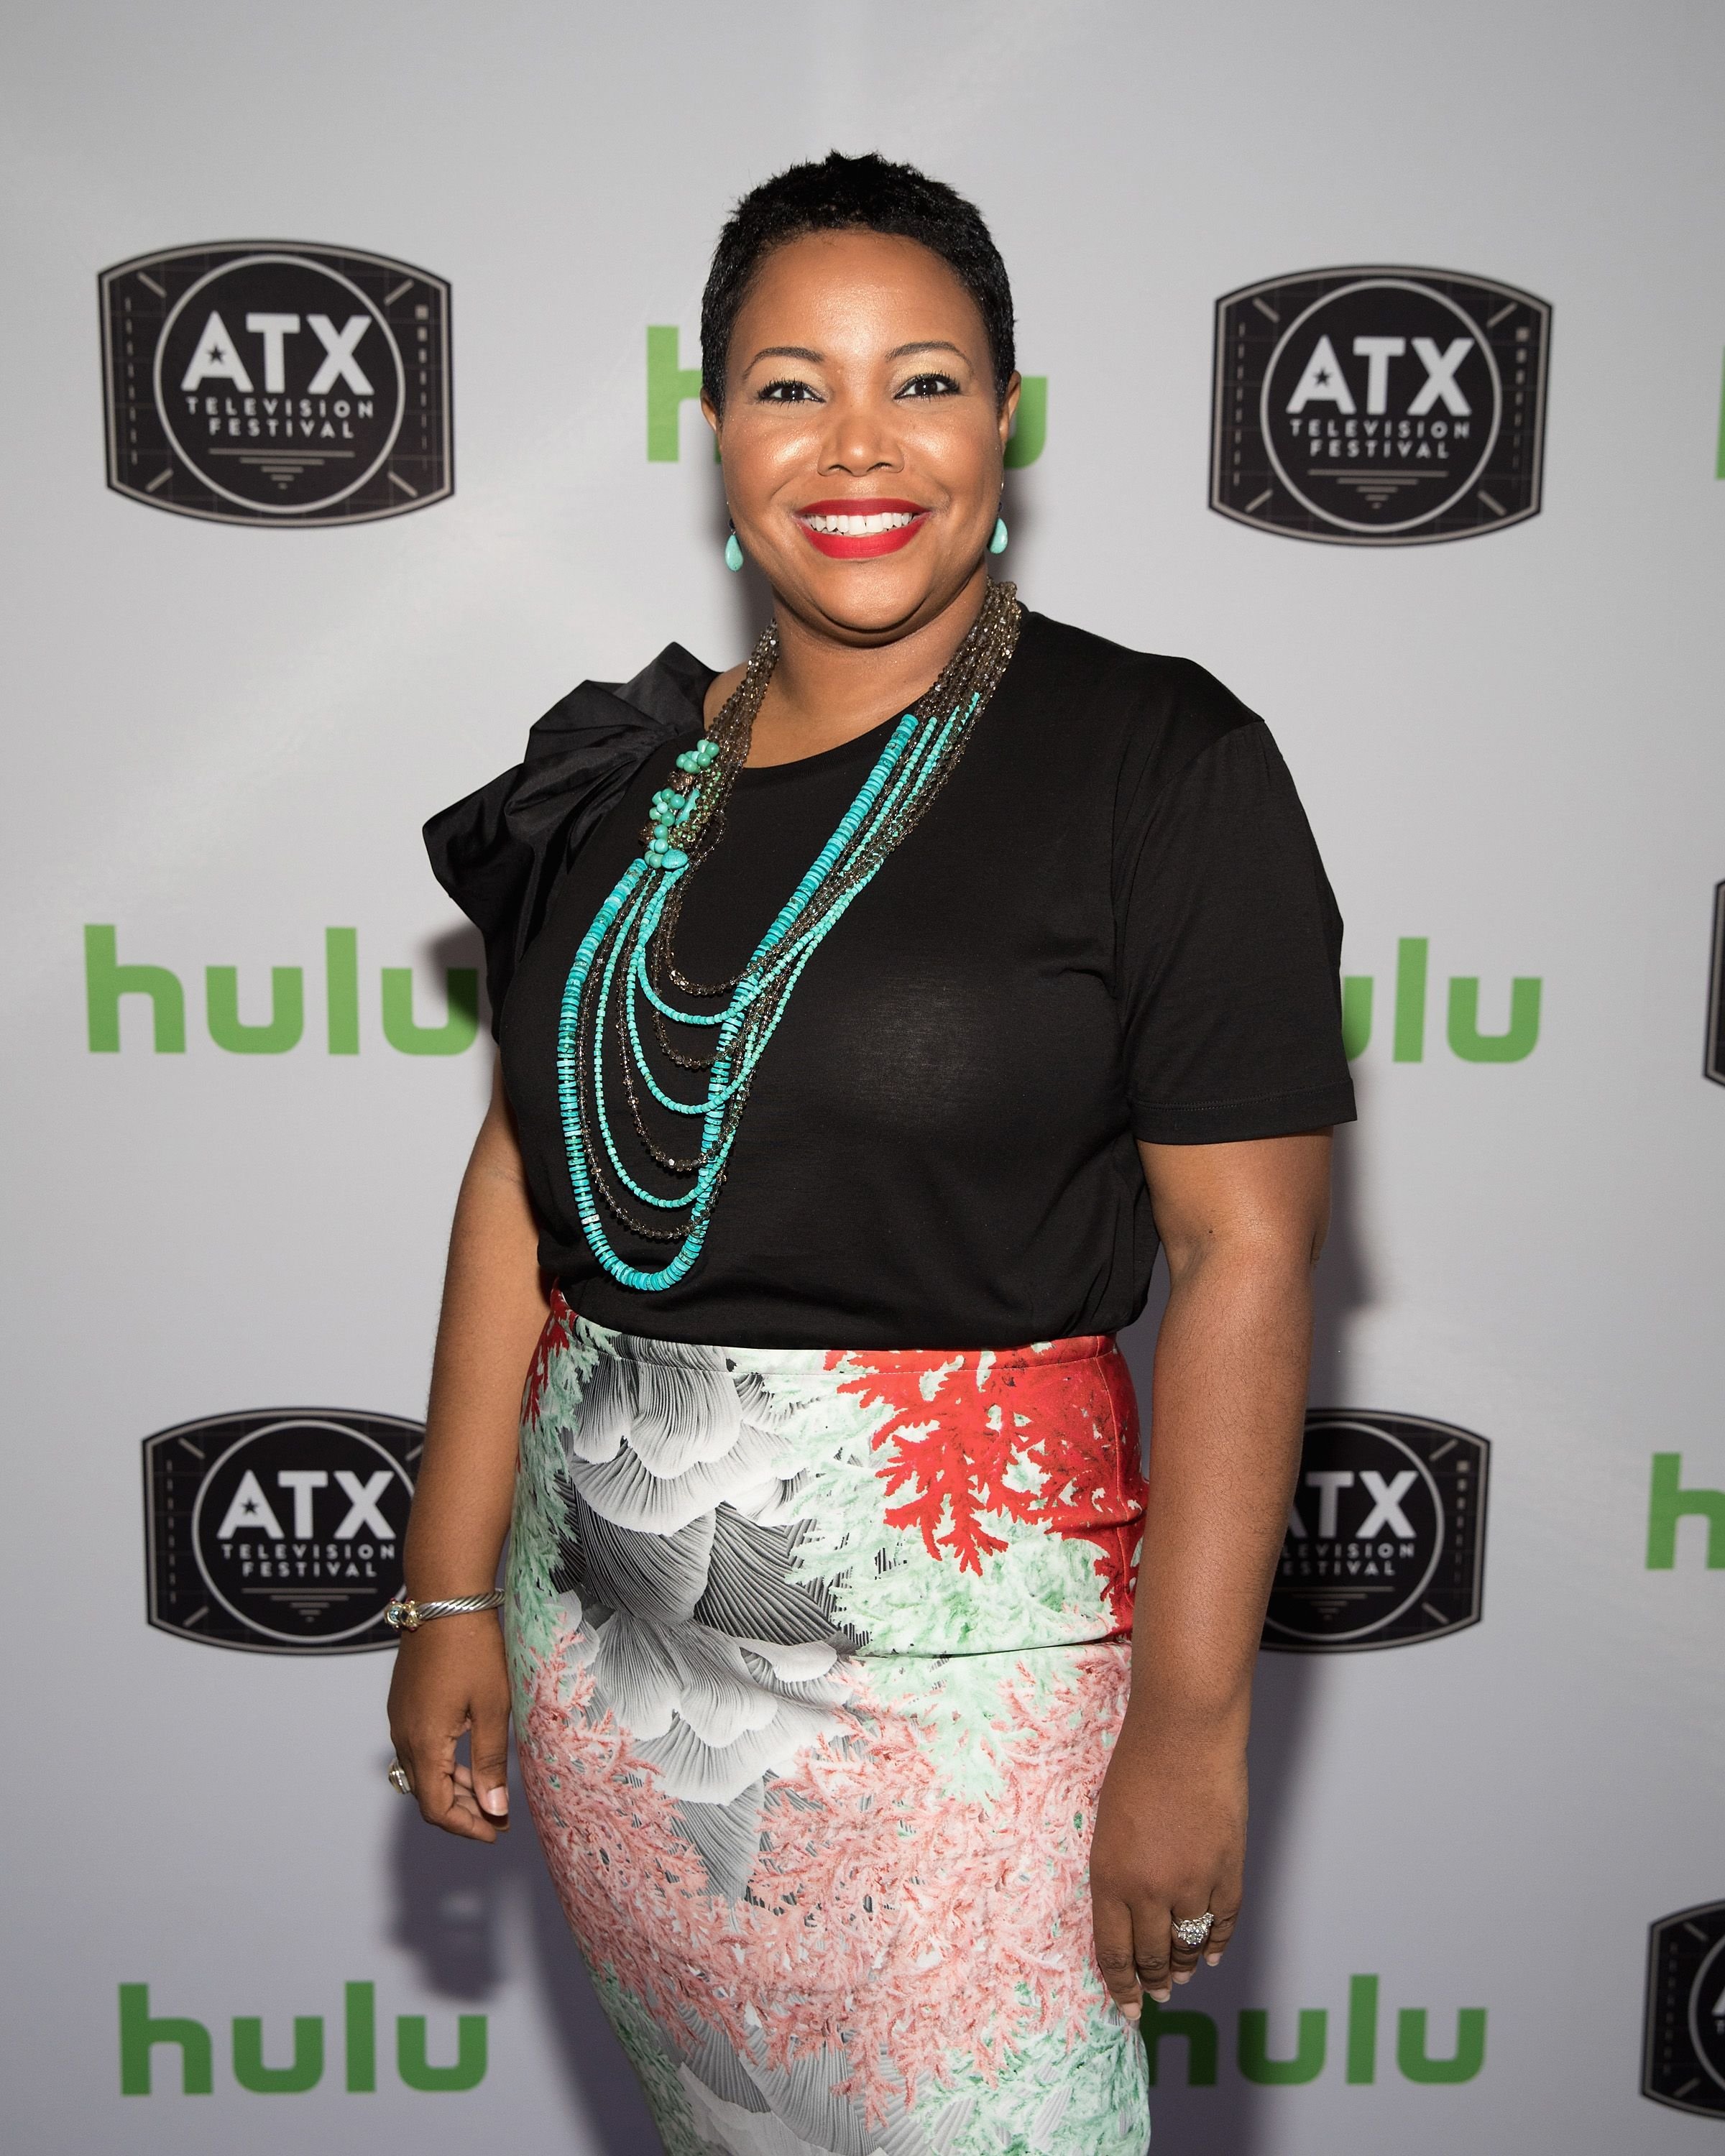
786 392
930 385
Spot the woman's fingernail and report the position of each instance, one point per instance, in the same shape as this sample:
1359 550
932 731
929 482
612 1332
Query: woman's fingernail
495 1801
1212 1959
1131 2013
1160 1997
1184 1977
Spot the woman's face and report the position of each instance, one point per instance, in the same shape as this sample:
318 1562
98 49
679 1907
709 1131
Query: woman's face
858 385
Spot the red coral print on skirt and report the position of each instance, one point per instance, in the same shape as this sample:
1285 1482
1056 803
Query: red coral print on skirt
962 1427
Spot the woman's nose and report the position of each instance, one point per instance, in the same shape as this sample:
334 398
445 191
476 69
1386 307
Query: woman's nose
859 439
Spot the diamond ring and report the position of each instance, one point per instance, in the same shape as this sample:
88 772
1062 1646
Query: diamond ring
1193 1930
398 1778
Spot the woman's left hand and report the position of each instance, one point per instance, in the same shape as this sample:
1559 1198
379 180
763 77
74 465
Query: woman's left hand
1170 1841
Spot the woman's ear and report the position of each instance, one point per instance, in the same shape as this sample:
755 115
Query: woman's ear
1009 406
709 413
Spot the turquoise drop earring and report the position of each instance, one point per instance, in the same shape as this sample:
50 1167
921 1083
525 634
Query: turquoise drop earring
997 543
733 553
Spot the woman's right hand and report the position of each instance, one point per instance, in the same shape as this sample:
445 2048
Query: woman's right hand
450 1677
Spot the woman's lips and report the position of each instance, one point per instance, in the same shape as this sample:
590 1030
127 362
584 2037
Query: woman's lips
853 530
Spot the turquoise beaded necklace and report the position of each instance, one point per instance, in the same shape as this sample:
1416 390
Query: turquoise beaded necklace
625 959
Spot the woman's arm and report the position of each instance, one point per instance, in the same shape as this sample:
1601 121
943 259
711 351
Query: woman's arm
1242 1225
449 1674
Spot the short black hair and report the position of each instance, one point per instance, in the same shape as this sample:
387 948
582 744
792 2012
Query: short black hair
852 194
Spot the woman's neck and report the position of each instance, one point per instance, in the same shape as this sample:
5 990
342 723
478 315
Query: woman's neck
825 693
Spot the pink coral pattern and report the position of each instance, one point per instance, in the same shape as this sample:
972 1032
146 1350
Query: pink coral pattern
900 1958
863 1838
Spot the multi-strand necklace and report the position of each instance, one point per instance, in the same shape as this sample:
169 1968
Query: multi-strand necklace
625 974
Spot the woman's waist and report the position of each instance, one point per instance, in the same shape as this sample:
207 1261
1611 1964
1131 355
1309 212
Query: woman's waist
814 1306
899 1277
915 1356
914 1499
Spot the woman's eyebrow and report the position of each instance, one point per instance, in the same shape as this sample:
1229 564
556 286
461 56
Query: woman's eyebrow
784 351
818 358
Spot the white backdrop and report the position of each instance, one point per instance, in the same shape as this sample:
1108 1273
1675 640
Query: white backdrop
222 740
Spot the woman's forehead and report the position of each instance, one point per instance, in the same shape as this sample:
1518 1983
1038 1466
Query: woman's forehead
859 286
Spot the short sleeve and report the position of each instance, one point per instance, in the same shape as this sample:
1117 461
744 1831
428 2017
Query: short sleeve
1228 945
502 853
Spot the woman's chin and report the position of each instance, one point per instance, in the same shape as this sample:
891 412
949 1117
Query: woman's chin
875 601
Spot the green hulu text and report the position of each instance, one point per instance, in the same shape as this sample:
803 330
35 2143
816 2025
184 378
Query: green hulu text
671 385
1719 454
107 982
1669 1503
1407 1013
1200 2044
144 2035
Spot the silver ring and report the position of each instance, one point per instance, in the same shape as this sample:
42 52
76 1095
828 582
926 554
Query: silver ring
398 1778
1193 1930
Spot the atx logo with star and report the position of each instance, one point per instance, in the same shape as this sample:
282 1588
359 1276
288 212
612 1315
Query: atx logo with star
1386 1534
273 382
1378 407
279 1530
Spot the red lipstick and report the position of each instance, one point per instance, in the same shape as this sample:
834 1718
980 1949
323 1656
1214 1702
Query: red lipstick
843 546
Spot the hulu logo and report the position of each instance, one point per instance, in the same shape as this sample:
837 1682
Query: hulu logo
1461 1018
1669 1503
1719 459
106 982
671 385
1312 2043
142 2033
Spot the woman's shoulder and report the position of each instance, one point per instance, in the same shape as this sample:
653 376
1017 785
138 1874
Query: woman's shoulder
502 852
1151 702
664 699
600 731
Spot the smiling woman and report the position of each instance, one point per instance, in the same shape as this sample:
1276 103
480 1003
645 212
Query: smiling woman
867 1013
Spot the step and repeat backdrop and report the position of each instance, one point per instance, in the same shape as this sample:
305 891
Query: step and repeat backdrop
1374 359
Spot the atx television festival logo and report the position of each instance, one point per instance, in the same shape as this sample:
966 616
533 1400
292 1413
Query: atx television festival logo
278 1531
1683 2051
1378 407
265 382
1386 1535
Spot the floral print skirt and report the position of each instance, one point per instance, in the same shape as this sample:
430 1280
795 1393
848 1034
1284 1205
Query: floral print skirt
818 1658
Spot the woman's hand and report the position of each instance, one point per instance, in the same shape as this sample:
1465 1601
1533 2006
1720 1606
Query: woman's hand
1170 1841
450 1677
449 1674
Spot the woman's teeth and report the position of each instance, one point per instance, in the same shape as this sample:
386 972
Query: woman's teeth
861 528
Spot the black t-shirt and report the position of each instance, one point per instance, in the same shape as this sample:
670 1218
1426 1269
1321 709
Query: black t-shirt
1112 924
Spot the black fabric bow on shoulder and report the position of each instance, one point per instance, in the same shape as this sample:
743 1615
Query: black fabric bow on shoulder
502 852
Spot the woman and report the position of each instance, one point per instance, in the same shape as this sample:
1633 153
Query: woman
860 1040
